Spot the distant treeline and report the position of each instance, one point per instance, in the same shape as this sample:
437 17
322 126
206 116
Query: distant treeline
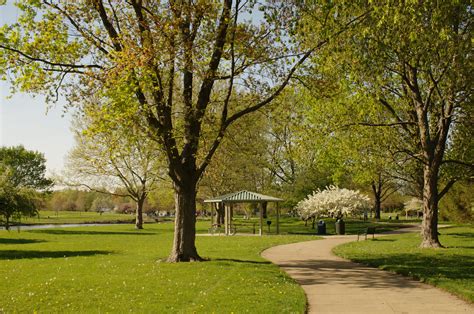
79 200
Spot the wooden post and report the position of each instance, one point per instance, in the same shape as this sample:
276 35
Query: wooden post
229 218
261 219
278 217
226 220
213 205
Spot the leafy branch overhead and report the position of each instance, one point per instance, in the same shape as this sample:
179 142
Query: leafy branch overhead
163 57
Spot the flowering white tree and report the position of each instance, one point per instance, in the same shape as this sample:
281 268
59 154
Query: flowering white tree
332 201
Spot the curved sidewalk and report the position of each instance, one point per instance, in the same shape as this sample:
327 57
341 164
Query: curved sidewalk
335 285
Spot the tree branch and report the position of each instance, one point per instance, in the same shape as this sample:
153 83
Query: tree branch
108 25
267 100
445 190
458 162
56 64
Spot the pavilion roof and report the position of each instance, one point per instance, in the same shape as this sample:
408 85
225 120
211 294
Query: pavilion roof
243 197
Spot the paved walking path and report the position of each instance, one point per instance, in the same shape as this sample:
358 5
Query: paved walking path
336 285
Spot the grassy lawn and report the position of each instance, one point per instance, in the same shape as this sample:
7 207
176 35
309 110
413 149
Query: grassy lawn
116 269
451 269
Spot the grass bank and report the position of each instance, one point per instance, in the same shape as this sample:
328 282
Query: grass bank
116 269
450 268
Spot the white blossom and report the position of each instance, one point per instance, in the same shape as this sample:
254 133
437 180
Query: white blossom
332 201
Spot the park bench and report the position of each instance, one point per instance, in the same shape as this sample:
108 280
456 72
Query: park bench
366 231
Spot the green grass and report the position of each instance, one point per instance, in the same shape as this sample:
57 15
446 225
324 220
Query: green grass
116 269
450 268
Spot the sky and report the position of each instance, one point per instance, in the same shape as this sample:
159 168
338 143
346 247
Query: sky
25 119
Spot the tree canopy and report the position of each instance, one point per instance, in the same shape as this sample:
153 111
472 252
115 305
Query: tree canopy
413 62
27 168
22 181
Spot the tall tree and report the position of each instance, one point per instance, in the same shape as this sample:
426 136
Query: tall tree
115 159
414 59
292 158
15 201
161 60
22 182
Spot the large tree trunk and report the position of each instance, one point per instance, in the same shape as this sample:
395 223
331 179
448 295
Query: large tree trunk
7 222
139 214
433 144
184 247
377 198
429 225
377 206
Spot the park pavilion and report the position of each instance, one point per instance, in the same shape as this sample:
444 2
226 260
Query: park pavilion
228 200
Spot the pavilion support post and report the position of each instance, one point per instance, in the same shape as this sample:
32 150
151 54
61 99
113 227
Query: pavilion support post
213 206
226 219
278 217
261 220
229 219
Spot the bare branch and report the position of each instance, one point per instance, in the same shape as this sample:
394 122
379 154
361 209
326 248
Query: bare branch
114 37
446 189
56 64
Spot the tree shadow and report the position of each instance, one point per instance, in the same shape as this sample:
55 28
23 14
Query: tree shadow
234 260
362 275
81 232
460 235
454 266
21 254
341 272
303 233
382 240
19 241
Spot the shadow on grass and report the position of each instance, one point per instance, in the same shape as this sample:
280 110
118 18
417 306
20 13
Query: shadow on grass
419 266
337 272
19 241
357 274
302 233
460 247
20 254
382 240
233 260
460 235
81 232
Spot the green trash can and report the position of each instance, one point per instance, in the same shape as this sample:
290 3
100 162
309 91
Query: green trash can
321 227
340 226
